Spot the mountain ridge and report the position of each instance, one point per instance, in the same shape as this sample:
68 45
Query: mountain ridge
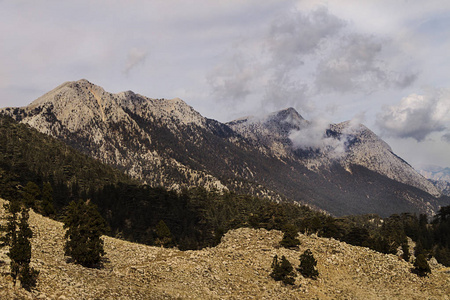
168 143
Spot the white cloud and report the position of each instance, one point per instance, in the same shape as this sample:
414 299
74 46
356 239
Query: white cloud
417 116
319 135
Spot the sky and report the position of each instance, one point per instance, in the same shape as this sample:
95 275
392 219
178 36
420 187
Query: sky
383 63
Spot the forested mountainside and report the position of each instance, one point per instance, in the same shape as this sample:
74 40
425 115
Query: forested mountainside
167 143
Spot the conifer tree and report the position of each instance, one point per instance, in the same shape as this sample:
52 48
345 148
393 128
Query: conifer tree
85 227
290 239
421 266
283 270
164 235
405 249
308 265
17 237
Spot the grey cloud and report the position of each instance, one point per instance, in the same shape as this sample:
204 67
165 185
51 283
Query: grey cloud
303 55
295 35
286 93
416 116
268 73
357 65
232 79
405 80
446 137
135 57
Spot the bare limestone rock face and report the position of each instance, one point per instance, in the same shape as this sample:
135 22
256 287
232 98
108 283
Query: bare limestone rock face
238 268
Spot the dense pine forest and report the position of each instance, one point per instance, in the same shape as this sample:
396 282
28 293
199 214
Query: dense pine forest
47 175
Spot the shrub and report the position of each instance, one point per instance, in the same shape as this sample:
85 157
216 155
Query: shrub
421 266
283 270
290 239
308 265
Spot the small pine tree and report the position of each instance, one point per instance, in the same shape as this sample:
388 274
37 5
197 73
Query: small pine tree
283 271
405 249
290 239
164 236
421 266
85 227
308 265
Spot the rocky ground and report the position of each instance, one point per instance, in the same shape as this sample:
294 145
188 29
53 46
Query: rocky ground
238 268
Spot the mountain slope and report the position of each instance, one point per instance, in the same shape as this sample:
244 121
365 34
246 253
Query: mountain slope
166 142
348 143
239 267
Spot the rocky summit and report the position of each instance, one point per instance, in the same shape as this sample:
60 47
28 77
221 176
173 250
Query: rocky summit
338 168
238 268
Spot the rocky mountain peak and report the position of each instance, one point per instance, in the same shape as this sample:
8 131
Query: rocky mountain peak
271 130
289 115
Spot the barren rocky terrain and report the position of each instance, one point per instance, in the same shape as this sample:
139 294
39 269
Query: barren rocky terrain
238 268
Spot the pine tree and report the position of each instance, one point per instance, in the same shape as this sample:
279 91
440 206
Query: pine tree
84 226
421 266
405 249
17 237
164 236
308 265
290 239
282 271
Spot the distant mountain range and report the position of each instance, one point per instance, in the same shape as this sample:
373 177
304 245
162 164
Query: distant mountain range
439 176
341 169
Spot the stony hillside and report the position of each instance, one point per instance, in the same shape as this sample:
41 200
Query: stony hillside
238 268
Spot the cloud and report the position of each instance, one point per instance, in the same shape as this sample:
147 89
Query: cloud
446 137
295 35
320 135
265 70
135 57
417 116
232 80
301 56
356 64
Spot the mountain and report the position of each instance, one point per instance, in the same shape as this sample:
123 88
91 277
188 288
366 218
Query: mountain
239 267
346 142
166 142
438 176
435 172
